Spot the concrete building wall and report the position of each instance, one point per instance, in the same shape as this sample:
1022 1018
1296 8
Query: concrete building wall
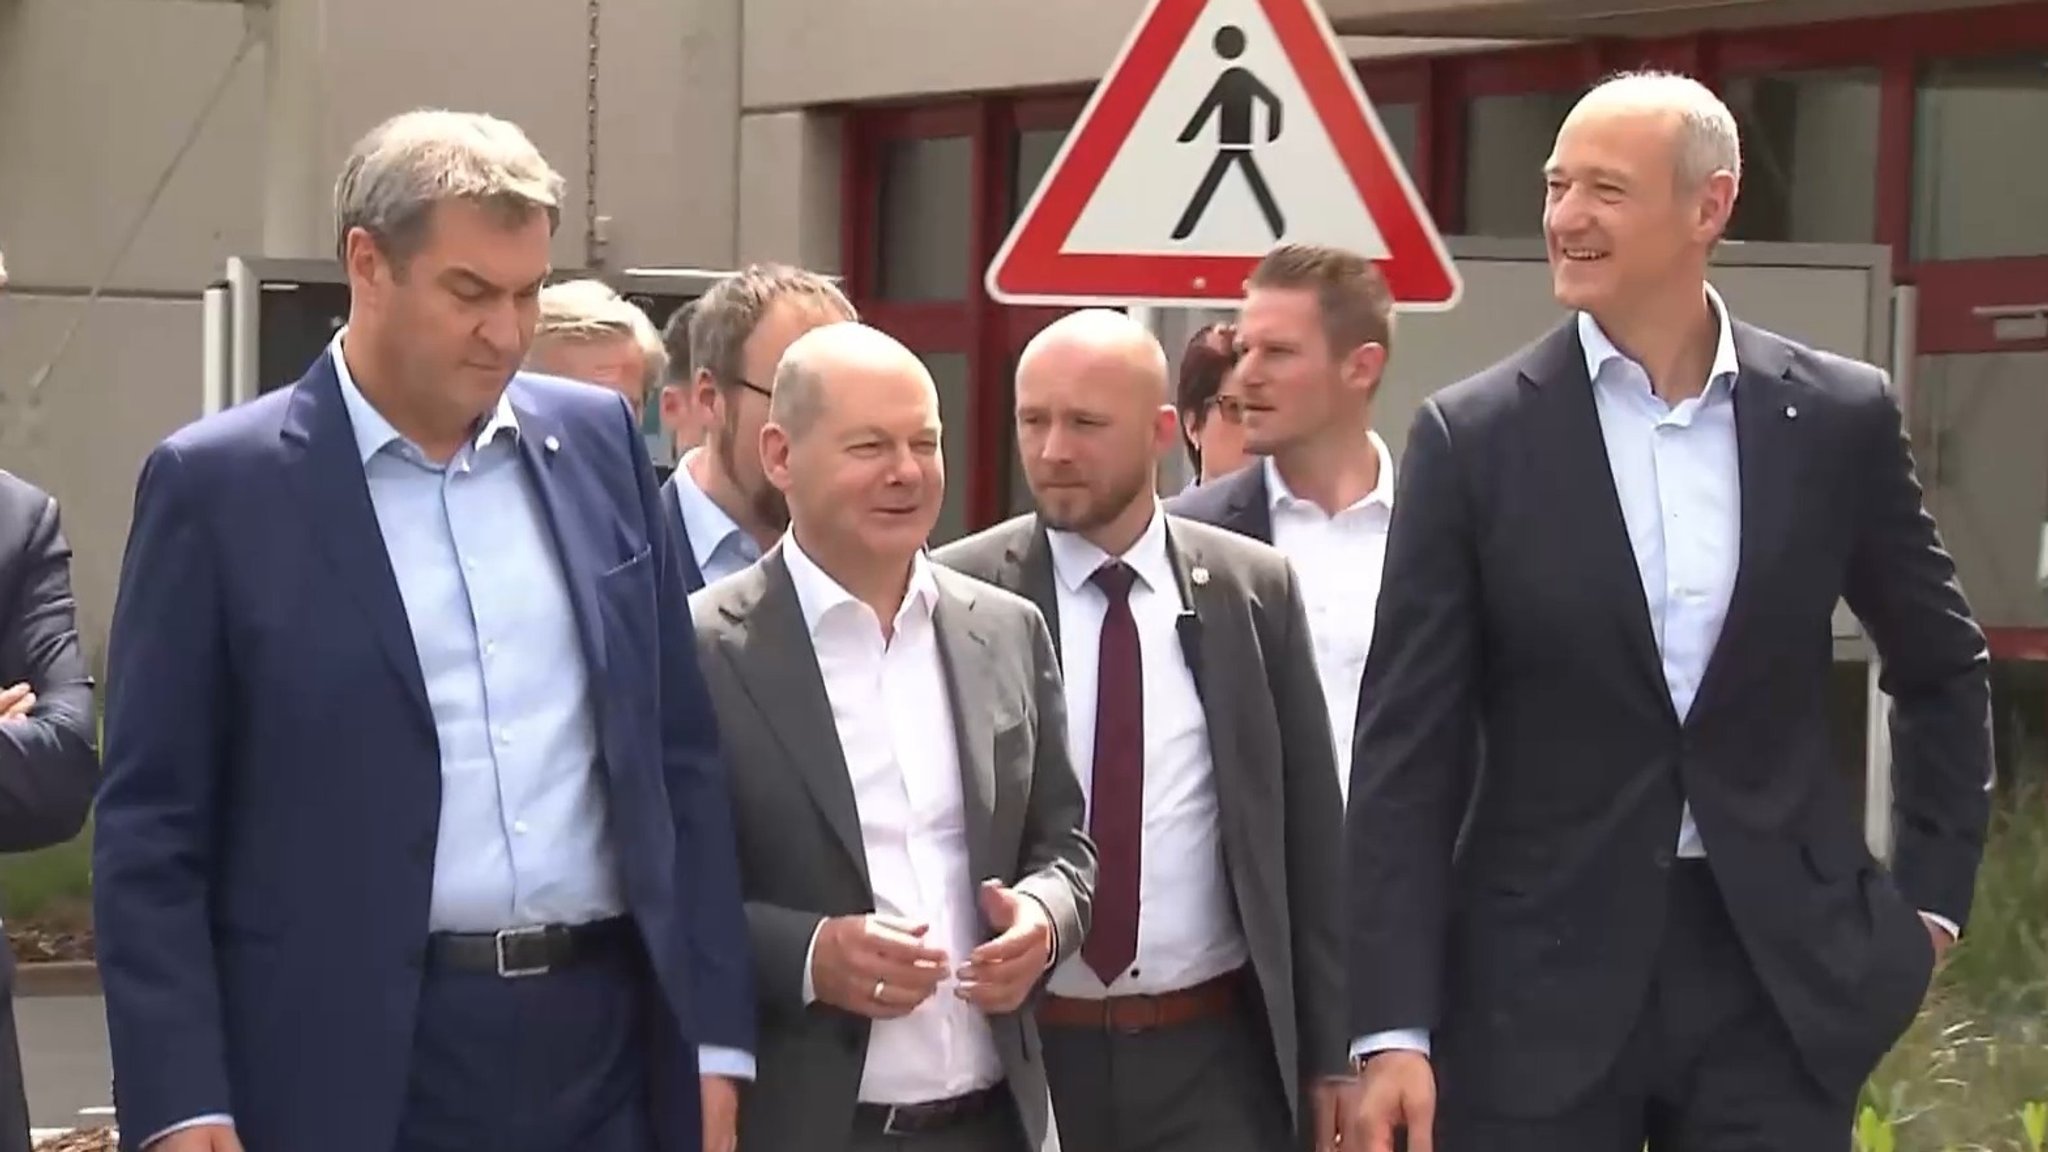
717 140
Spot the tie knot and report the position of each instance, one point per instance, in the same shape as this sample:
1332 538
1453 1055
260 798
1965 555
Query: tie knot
1115 579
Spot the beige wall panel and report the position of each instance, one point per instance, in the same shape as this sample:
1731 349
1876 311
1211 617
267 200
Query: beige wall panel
130 378
803 52
84 137
790 189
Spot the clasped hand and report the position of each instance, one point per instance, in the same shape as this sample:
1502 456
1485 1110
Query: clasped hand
883 967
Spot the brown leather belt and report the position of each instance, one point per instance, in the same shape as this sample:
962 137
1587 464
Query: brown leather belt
1205 1001
935 1116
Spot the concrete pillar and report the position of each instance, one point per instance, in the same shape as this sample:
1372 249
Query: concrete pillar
298 181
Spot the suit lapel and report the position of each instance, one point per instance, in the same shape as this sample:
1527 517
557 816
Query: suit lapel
1574 452
1249 510
542 448
1028 569
792 700
968 660
1768 451
326 471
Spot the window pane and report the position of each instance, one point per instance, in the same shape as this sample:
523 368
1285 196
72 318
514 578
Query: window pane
949 372
1980 185
1507 141
1403 125
1034 153
922 237
1809 156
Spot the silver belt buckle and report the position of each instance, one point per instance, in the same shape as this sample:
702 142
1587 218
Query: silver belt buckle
506 969
889 1127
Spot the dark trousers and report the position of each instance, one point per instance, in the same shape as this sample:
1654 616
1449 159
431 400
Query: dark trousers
1204 1086
552 1063
1710 1066
14 1135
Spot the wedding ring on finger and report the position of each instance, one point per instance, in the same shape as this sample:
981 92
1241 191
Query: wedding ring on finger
881 986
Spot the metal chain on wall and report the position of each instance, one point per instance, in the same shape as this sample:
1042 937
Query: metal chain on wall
593 240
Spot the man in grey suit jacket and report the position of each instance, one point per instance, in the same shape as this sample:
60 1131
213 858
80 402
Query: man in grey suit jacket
1221 1014
909 826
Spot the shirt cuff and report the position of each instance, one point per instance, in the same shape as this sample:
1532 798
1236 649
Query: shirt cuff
220 1118
1944 923
730 1063
1052 952
1399 1039
811 988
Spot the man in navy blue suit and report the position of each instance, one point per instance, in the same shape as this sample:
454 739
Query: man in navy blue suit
415 834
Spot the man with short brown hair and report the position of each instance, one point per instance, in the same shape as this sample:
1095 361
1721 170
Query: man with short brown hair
728 511
1313 339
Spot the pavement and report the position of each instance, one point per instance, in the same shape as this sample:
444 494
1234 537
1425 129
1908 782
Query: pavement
64 1059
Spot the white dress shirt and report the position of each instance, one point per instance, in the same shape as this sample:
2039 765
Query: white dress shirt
1188 930
1338 560
894 716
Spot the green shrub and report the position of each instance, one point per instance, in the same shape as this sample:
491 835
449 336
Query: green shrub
1971 1075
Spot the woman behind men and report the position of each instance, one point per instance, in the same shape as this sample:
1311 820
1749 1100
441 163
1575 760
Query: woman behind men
1211 403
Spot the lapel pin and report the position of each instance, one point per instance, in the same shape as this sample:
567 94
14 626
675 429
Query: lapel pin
1199 575
1791 413
554 445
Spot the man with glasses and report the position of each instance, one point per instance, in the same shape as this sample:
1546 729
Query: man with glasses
727 510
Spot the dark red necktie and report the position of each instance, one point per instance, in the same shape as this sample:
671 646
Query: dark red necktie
1116 813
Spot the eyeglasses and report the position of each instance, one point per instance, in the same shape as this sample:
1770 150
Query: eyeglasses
1231 408
750 386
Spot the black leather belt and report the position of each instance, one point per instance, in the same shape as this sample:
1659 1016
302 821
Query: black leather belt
535 951
935 1116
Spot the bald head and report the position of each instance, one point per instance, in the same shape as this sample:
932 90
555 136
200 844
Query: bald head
1103 342
832 362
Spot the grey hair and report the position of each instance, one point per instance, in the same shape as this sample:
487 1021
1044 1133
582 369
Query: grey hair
1709 140
799 397
727 315
404 167
801 387
592 310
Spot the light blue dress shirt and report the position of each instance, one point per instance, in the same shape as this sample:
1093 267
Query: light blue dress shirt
717 543
525 836
1677 474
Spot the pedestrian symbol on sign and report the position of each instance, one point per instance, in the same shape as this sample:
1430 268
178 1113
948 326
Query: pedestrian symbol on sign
1230 101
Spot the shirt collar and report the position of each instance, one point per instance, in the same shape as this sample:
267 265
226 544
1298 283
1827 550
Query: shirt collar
1279 495
820 596
1075 560
706 523
373 432
1601 351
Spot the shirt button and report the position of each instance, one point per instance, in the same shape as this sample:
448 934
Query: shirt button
519 827
490 647
504 735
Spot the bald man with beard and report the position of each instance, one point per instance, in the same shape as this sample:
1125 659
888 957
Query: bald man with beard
1208 1014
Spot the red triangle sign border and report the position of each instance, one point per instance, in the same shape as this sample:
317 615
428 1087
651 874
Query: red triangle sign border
1030 268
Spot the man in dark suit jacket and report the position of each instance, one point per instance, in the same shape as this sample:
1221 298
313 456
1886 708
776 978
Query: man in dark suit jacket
1604 644
909 825
48 767
1238 501
717 496
416 833
1222 1015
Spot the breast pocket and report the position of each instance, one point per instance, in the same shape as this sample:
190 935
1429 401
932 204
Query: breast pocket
626 602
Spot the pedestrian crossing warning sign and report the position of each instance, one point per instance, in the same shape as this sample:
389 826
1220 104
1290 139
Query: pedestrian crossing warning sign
1225 127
